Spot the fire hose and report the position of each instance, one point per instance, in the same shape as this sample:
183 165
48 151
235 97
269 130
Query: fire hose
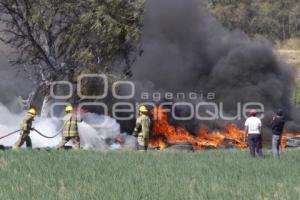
49 137
45 136
41 134
9 134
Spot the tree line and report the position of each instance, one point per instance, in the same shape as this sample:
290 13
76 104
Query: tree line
277 20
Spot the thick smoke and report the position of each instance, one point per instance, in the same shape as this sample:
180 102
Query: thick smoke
12 81
187 50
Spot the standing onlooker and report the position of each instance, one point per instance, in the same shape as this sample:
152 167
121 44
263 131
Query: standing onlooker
277 129
253 131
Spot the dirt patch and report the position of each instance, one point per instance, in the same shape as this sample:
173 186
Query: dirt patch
290 56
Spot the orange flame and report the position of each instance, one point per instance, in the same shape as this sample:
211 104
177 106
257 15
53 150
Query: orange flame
164 134
285 137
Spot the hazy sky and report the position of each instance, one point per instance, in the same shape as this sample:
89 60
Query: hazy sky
11 83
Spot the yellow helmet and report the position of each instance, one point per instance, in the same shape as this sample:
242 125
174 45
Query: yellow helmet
143 109
69 108
32 111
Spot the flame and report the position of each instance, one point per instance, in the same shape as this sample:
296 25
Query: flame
120 139
236 136
164 134
285 137
157 143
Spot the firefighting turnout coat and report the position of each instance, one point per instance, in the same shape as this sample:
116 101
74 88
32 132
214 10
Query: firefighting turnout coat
70 125
27 123
142 129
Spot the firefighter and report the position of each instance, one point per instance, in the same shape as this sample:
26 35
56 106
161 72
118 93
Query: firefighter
142 129
26 127
70 131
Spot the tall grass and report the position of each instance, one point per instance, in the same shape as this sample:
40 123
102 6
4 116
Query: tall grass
219 174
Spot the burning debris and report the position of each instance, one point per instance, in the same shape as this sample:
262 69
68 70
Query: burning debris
195 53
165 134
288 138
120 140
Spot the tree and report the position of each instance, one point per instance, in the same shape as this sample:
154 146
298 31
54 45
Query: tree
56 40
276 20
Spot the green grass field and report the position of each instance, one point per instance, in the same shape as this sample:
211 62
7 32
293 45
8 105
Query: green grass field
215 174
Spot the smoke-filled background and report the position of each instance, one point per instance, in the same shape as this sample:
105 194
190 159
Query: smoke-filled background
185 50
12 82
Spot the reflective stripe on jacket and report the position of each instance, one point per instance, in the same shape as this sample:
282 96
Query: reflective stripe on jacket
143 125
70 125
27 122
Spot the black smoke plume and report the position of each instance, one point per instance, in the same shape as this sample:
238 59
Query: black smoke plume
187 50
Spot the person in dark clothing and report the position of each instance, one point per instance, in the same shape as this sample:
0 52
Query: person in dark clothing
277 129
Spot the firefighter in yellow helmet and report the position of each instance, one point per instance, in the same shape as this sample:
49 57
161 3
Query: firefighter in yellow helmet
26 127
70 131
142 129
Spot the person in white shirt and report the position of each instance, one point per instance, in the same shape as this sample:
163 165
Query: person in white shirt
253 131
